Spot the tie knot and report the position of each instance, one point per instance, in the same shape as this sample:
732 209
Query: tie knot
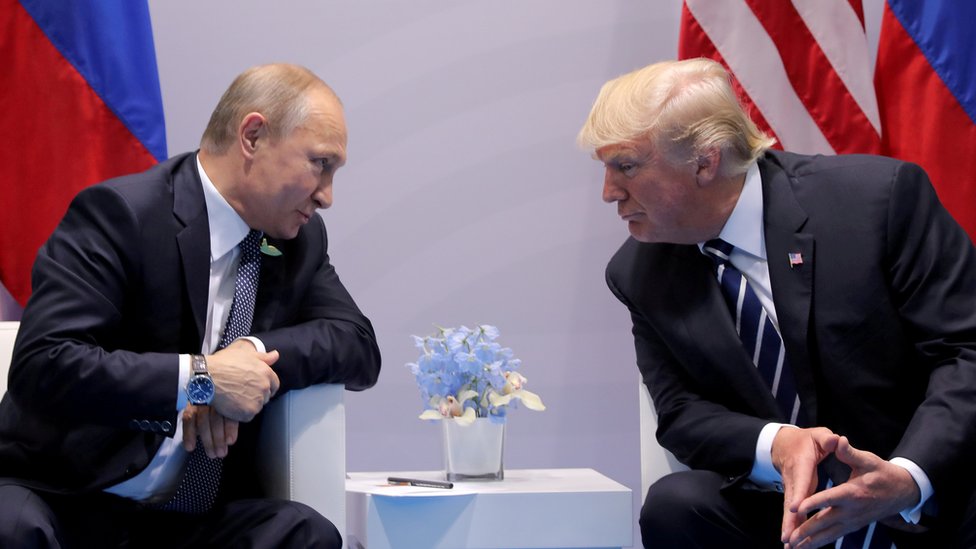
718 249
251 243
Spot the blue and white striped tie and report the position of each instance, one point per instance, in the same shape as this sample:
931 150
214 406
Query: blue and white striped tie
754 326
760 338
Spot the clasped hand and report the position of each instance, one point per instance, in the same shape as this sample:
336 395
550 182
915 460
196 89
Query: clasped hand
876 489
244 384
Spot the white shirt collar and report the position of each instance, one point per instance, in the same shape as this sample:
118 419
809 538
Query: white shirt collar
227 229
744 228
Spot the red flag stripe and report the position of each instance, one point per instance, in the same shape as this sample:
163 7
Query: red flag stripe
924 123
752 57
818 86
72 141
839 32
693 42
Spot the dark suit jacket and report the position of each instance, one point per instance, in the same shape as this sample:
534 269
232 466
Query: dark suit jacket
119 290
879 322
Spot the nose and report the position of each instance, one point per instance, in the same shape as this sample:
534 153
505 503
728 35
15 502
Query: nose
612 192
323 195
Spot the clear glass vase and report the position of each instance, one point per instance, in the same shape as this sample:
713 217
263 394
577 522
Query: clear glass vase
474 452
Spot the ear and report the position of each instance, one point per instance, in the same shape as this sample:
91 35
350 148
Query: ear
707 166
252 130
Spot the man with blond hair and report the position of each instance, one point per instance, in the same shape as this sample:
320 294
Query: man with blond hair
806 326
168 308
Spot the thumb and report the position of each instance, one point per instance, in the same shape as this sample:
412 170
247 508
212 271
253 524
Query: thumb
270 357
848 454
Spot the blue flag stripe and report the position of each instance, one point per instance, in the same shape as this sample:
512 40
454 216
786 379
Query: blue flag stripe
109 42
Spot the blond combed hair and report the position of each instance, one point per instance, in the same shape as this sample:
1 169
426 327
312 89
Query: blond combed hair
685 108
278 91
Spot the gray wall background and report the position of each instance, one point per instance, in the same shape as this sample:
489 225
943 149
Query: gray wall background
465 199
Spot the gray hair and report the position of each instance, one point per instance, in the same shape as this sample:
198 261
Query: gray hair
277 91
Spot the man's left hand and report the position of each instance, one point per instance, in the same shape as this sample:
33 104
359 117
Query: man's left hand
876 490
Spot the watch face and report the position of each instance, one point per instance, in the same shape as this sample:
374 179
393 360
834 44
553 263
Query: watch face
200 390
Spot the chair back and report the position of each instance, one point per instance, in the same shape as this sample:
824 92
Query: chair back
8 333
655 460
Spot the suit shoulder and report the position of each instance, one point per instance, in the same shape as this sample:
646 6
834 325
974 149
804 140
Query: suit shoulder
636 262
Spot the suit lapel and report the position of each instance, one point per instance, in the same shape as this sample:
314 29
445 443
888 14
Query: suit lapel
194 240
698 302
791 281
272 279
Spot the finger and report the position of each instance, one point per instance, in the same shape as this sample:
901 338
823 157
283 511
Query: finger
823 528
189 430
230 431
275 384
203 431
850 455
271 357
217 435
830 497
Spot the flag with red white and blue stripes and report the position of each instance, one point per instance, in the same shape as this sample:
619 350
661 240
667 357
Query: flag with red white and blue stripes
803 69
926 84
80 103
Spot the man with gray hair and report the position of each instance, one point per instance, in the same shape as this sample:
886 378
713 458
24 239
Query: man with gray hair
168 308
806 326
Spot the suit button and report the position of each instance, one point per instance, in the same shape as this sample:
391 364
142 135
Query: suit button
144 425
134 424
167 426
155 427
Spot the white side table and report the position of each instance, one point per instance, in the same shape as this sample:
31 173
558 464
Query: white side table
531 508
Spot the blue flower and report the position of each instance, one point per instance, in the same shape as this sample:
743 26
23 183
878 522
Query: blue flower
463 374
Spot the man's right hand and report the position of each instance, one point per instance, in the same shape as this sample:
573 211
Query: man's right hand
243 379
796 454
214 431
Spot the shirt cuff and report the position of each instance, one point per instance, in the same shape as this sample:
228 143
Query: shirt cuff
914 514
258 344
181 399
764 473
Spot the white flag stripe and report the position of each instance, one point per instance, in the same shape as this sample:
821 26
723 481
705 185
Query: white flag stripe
752 56
838 31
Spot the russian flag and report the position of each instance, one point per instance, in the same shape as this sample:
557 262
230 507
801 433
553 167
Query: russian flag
80 103
925 79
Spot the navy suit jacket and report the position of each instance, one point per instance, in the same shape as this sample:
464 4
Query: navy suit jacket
119 290
879 322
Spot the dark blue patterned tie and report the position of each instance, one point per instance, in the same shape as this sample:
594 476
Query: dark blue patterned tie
753 325
760 338
201 481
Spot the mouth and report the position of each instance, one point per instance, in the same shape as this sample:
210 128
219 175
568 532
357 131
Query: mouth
630 216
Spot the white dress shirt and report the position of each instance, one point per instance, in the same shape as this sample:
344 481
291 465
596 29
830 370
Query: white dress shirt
160 479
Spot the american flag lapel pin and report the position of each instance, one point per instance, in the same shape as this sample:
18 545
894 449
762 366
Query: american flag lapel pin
796 258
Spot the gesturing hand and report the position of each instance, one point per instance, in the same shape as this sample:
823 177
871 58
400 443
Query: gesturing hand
243 379
876 490
795 454
216 432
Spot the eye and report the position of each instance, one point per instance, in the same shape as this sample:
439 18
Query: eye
323 164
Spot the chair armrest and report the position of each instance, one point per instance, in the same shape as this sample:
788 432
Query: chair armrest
303 450
655 460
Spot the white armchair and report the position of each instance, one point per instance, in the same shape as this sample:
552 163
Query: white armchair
655 460
304 441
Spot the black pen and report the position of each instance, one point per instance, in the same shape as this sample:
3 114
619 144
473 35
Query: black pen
421 483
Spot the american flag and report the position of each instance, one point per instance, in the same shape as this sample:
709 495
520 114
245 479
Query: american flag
803 70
